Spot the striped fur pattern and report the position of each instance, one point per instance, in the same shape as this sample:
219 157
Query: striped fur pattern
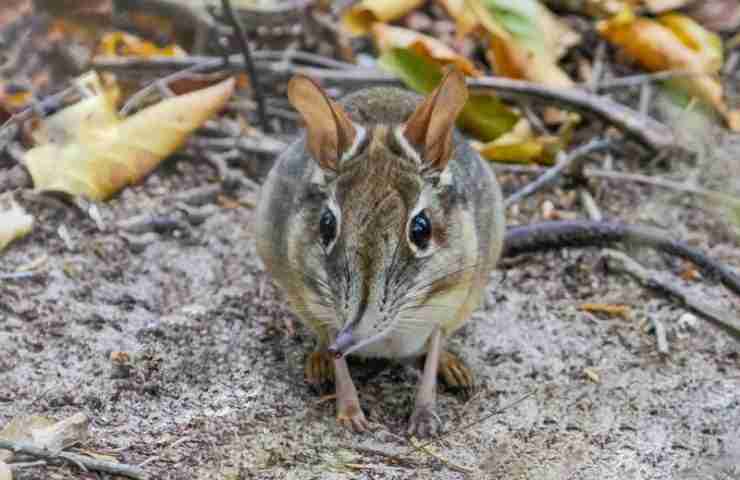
372 279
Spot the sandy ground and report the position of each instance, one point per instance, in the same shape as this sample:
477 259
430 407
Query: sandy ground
215 388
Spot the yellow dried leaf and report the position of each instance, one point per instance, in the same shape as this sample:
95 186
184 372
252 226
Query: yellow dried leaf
360 17
464 17
387 37
520 145
683 46
15 223
98 161
708 45
127 45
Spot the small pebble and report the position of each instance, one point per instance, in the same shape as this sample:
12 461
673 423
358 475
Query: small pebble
688 321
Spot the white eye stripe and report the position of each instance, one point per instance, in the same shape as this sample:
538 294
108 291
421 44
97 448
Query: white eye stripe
361 135
406 147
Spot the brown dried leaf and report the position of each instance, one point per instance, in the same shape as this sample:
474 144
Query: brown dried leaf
607 308
387 37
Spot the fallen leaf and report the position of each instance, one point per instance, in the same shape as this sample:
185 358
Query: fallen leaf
484 116
592 375
674 42
707 45
387 37
520 145
122 44
525 40
15 223
20 429
359 18
464 17
99 159
609 309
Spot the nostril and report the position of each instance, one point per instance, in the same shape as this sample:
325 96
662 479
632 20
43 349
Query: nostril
342 343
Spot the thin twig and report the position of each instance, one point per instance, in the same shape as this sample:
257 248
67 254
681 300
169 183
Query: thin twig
661 182
452 465
641 79
250 70
551 174
715 316
86 462
648 131
141 94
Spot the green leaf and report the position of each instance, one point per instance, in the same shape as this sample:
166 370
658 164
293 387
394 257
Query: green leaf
484 116
520 19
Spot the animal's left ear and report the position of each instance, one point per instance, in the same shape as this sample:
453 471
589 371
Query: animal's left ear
430 127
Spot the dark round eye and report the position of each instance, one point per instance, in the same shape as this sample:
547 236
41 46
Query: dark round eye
327 227
421 230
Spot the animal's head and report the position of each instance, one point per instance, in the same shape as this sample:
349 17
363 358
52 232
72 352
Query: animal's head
386 240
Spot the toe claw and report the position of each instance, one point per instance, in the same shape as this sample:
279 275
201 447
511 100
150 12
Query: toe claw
353 419
424 422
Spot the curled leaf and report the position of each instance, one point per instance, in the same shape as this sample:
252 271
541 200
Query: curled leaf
526 40
520 145
674 42
387 37
127 45
15 223
359 18
97 159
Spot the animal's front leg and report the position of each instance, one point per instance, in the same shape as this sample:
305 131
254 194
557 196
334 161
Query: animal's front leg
424 421
349 413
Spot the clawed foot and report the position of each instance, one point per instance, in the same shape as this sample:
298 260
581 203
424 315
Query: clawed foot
455 373
319 368
424 422
352 418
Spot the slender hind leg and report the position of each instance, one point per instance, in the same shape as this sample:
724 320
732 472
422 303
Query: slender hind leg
424 421
349 413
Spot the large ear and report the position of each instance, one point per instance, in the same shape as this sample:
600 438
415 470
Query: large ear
330 132
430 127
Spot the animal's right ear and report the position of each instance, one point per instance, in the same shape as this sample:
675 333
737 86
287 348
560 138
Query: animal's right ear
330 132
430 127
